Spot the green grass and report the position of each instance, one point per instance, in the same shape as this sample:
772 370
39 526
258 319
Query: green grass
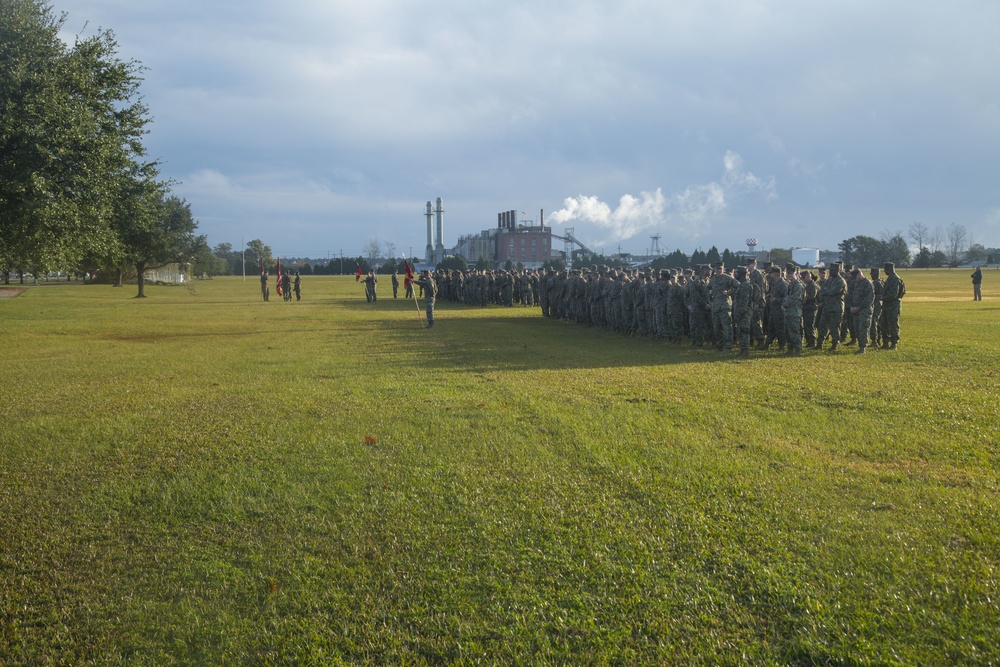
186 480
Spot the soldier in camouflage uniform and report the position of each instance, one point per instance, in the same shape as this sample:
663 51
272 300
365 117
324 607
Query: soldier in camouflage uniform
874 334
675 309
833 308
776 293
700 308
757 319
810 294
819 295
864 297
721 286
893 290
429 287
743 300
791 306
847 322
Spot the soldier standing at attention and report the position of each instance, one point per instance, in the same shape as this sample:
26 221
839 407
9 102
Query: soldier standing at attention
832 293
700 308
757 319
395 283
722 285
820 281
863 298
977 284
893 290
371 283
743 298
298 287
810 293
776 293
429 288
264 291
791 306
874 332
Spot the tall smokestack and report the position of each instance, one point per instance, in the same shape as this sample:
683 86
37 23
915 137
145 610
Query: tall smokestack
541 218
439 248
499 220
429 251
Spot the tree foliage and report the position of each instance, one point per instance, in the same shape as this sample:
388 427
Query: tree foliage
71 128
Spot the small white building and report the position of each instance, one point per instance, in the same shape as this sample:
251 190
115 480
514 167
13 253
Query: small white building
805 256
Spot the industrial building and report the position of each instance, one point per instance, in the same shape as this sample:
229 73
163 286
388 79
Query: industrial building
518 241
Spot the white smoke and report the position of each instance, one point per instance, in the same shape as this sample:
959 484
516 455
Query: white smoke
696 205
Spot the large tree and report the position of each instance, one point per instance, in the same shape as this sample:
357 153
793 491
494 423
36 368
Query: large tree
862 251
71 128
162 234
957 239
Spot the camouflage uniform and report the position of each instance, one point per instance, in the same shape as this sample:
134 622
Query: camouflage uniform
777 291
864 297
757 318
700 309
833 310
874 332
893 290
791 305
722 306
810 293
743 309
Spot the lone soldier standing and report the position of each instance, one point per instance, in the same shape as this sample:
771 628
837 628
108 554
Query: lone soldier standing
426 283
395 284
264 291
298 287
977 284
893 290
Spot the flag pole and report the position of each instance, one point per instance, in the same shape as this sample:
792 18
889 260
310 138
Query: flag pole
420 318
408 284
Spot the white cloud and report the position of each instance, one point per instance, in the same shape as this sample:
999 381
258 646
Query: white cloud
697 206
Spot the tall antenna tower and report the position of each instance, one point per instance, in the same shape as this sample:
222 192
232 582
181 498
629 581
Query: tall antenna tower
655 248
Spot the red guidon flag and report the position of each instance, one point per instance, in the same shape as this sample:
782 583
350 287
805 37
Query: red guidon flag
357 272
277 276
409 275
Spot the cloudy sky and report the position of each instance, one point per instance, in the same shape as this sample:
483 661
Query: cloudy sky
319 125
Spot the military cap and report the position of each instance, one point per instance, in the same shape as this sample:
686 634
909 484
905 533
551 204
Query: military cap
718 266
888 266
791 267
874 271
741 270
775 269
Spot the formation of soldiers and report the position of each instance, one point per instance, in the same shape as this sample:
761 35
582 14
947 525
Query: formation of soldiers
705 306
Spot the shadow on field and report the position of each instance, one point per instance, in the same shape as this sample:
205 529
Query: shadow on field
500 342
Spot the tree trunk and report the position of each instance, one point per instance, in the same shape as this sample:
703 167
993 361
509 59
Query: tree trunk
140 268
118 281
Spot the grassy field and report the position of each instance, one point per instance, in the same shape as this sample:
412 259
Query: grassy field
203 478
